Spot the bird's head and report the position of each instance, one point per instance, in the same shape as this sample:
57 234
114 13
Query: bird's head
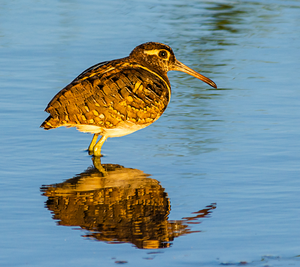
161 59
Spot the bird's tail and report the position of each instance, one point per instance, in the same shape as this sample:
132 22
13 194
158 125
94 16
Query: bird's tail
50 123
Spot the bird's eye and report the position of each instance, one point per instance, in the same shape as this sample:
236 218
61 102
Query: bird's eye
163 54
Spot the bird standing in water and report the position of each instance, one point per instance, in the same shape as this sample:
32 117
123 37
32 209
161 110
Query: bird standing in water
118 97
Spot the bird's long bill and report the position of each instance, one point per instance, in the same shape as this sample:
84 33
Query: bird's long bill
181 67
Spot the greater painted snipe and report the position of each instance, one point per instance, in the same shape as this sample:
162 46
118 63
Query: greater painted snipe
118 97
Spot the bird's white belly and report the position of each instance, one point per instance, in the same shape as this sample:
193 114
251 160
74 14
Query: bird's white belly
122 129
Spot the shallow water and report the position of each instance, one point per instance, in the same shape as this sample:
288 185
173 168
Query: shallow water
215 181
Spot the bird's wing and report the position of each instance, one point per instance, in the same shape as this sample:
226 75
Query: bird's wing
114 95
93 70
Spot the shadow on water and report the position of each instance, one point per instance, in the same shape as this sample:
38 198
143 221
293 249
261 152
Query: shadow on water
115 204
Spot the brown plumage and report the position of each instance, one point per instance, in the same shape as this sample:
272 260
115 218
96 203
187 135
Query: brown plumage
118 97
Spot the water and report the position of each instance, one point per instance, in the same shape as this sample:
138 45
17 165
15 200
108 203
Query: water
214 181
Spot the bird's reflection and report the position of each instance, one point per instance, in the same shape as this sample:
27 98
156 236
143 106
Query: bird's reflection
117 204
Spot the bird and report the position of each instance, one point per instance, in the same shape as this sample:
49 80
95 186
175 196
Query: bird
118 97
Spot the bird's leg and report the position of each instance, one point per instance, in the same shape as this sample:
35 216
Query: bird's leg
93 142
97 147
